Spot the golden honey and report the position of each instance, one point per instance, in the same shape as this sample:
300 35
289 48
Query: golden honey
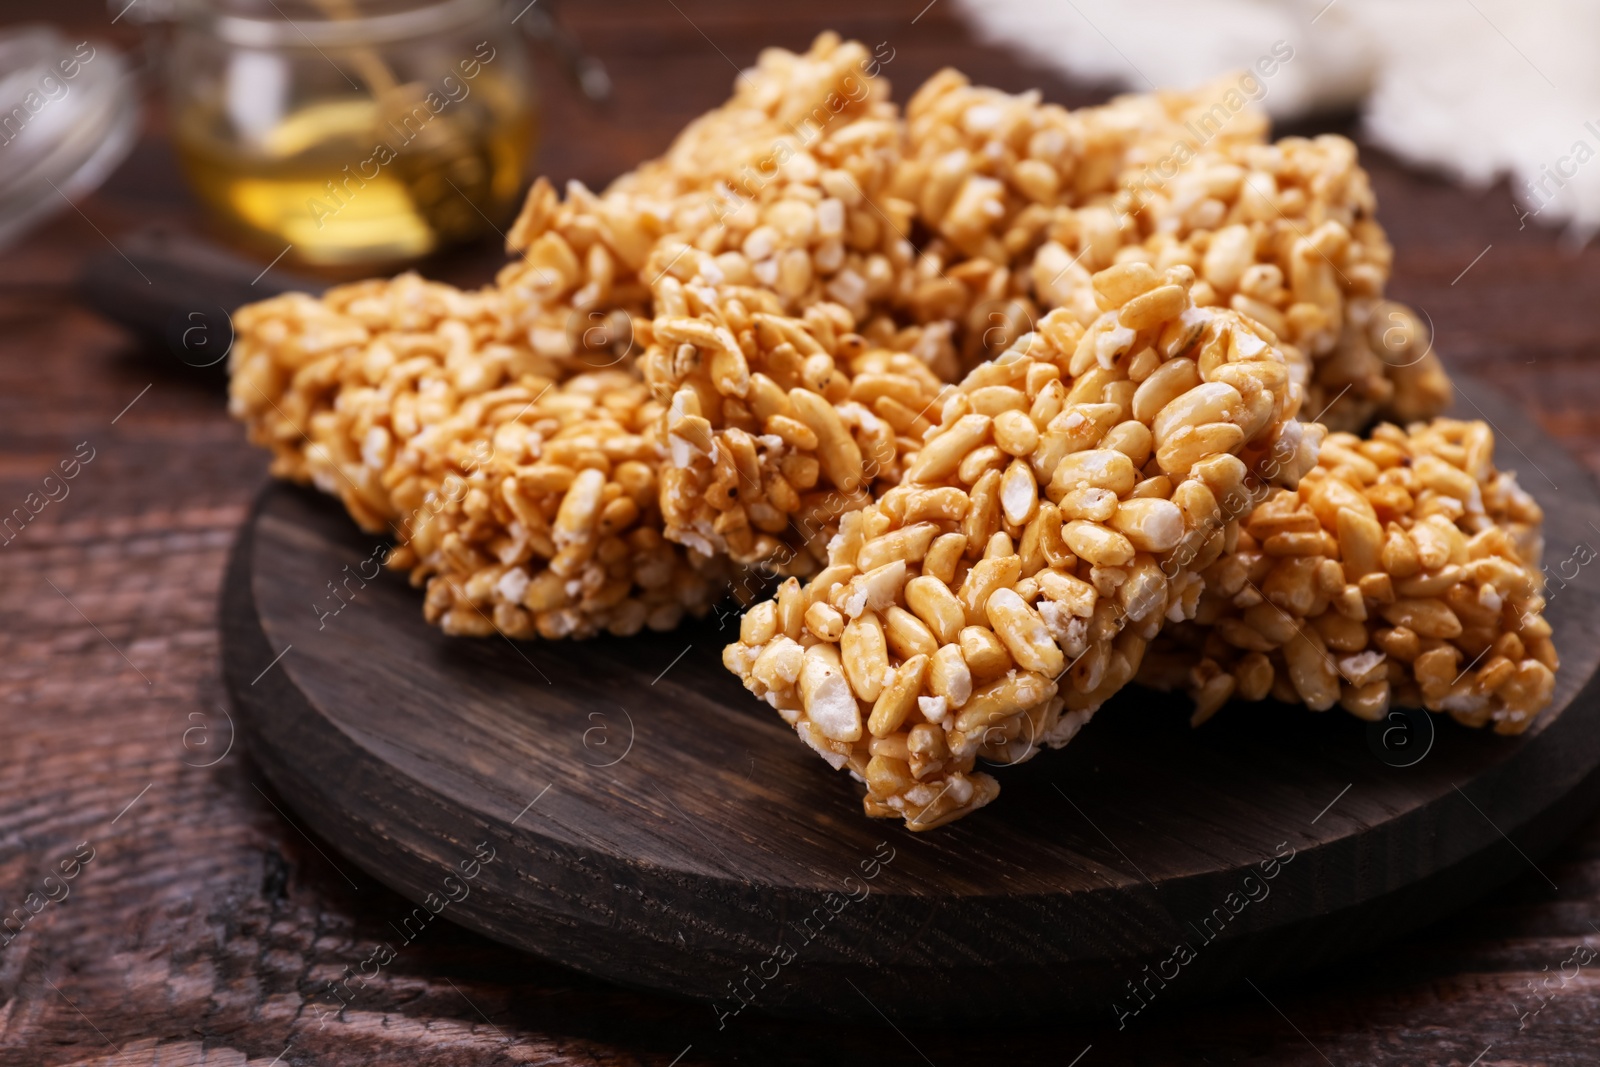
354 181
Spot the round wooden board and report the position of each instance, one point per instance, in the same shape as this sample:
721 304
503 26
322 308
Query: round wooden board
653 824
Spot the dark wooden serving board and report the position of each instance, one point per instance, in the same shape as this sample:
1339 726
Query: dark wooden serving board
680 838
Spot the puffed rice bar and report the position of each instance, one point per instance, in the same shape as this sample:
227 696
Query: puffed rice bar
1045 530
994 175
1287 233
777 424
776 184
1404 570
1028 199
526 505
297 356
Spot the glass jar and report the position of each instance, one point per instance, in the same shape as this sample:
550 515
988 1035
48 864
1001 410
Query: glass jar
352 133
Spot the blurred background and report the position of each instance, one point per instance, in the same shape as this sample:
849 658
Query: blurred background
336 139
353 137
227 150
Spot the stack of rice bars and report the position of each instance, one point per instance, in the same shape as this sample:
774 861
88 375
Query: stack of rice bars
1021 404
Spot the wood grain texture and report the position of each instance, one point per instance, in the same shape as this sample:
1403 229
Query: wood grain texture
652 824
206 921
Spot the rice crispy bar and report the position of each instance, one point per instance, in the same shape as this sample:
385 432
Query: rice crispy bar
1042 534
994 176
527 505
777 424
775 183
1026 200
1404 570
1287 233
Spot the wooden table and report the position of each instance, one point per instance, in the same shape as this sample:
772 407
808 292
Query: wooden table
206 920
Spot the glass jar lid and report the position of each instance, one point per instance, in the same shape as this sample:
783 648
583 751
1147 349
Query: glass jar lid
68 116
329 23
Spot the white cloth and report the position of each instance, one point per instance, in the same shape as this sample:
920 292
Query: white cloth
1476 88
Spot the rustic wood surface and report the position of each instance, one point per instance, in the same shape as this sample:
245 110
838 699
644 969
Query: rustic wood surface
620 806
205 921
